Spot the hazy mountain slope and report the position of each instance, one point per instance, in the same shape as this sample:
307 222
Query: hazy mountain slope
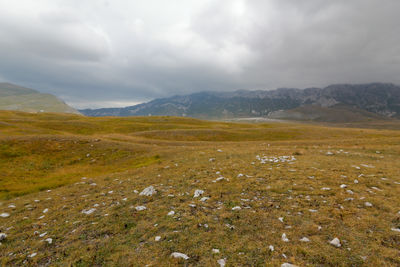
335 114
378 98
13 97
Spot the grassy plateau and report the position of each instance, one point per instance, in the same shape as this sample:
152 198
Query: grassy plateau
225 194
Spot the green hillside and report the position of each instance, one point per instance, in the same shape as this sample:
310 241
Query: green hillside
13 97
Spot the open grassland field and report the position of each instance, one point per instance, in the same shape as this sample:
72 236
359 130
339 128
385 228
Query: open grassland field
223 193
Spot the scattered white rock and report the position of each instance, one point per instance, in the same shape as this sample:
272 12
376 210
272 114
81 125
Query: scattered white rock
88 212
304 239
356 181
32 255
329 153
343 186
45 210
140 208
12 206
221 262
179 255
43 234
4 215
335 242
148 191
198 192
157 238
236 208
367 166
368 204
240 175
280 219
204 199
284 238
288 265
215 251
349 192
313 211
393 229
271 248
325 188
49 240
171 213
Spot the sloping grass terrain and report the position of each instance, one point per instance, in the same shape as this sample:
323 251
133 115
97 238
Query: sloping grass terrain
14 97
224 193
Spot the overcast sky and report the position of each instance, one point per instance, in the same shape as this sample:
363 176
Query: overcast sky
97 53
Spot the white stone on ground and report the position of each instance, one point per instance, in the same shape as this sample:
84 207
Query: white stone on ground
204 199
288 265
236 208
5 215
368 204
280 219
198 192
343 186
304 239
157 238
45 210
215 251
32 255
284 238
148 191
335 242
140 208
88 212
221 262
179 255
271 248
171 213
396 229
49 240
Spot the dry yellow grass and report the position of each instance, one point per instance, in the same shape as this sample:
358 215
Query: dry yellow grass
178 156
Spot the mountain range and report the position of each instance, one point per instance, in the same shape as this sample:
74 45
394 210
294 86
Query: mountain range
334 103
14 97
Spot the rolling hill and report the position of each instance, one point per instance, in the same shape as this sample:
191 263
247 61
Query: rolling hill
13 97
374 101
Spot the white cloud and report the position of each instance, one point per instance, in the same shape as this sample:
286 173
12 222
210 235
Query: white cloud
126 51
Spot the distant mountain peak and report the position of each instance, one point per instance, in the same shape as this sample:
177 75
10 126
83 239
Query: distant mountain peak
382 99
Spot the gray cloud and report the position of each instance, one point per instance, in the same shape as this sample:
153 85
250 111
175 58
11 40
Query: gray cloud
104 53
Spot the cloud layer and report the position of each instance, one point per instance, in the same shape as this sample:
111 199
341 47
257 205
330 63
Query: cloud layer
107 53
